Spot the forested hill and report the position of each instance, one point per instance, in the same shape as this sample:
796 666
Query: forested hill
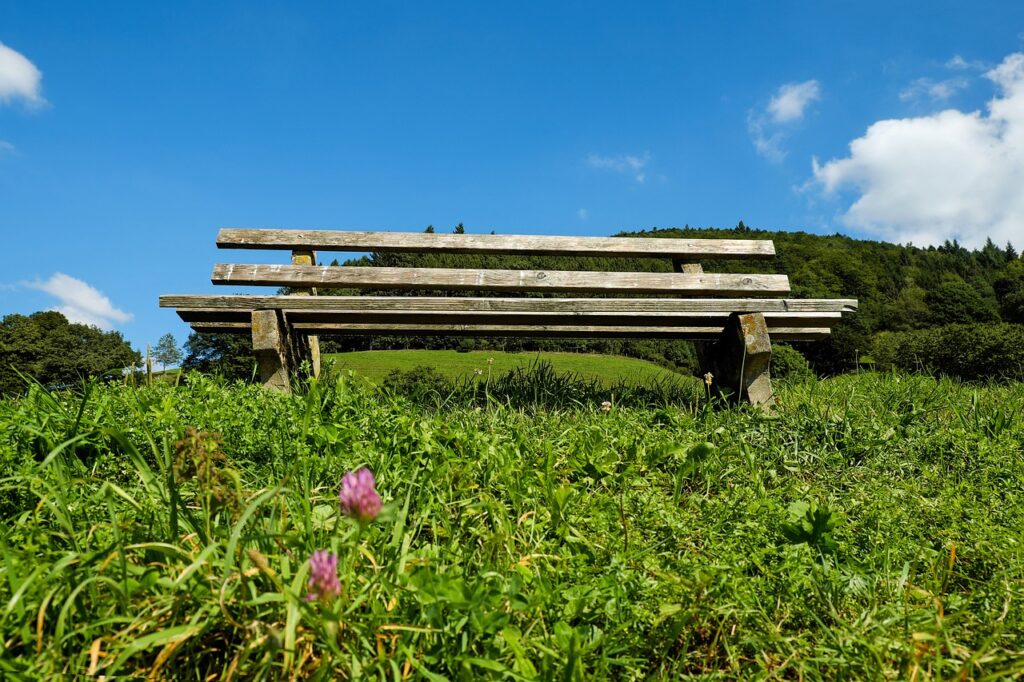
900 288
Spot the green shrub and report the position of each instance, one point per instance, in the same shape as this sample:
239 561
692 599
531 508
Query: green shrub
419 384
966 351
789 363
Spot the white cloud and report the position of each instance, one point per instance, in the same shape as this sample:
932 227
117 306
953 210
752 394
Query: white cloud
792 99
950 175
938 91
769 128
19 78
958 63
627 164
583 214
80 302
7 148
768 143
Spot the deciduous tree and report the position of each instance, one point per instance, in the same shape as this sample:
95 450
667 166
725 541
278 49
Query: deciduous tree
48 348
166 351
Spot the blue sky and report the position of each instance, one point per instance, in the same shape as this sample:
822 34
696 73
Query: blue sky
130 132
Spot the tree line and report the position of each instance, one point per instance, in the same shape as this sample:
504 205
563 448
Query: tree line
48 348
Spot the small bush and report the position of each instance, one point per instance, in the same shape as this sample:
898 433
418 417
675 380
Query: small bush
421 384
789 363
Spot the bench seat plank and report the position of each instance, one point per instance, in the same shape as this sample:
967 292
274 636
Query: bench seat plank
638 319
526 245
456 279
524 331
456 304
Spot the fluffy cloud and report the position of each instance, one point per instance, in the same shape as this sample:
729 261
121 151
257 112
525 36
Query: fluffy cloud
19 78
950 175
792 99
80 302
627 164
768 129
583 214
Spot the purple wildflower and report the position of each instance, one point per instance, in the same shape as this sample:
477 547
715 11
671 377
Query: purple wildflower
358 496
323 576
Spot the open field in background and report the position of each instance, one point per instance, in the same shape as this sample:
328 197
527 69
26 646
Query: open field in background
455 365
871 529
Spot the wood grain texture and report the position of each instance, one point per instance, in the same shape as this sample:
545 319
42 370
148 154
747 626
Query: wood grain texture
537 245
446 304
656 319
456 279
524 331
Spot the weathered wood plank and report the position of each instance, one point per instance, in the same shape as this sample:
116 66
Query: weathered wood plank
527 331
445 304
657 319
455 279
221 327
585 319
537 245
553 331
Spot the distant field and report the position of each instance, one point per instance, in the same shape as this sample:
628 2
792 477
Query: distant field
375 365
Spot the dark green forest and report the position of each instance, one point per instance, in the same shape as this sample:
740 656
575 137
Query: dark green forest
905 294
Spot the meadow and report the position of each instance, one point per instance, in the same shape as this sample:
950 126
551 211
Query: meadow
455 365
871 528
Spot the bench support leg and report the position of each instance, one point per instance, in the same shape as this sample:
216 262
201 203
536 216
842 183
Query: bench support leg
312 342
702 349
270 346
739 360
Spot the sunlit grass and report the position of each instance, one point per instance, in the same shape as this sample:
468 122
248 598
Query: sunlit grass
607 369
870 529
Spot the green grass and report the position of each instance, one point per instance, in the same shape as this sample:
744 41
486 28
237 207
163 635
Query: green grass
607 369
871 529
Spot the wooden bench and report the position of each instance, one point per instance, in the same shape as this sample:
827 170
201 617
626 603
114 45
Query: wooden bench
736 315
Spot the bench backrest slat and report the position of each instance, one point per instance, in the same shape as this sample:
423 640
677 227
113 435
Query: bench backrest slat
528 245
469 279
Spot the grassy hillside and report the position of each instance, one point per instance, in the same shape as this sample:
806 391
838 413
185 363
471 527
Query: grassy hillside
608 369
871 529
